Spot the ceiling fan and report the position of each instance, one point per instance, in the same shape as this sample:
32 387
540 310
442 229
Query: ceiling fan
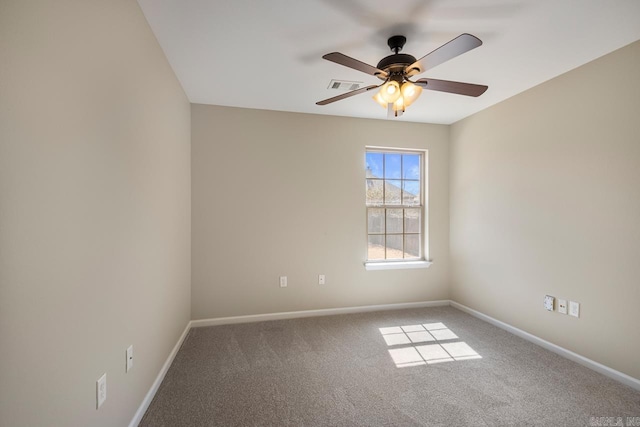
397 91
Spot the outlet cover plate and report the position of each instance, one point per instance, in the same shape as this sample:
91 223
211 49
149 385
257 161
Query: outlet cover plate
562 306
101 390
283 281
129 358
548 302
574 309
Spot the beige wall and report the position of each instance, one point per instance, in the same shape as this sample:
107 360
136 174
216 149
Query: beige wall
545 198
94 210
283 194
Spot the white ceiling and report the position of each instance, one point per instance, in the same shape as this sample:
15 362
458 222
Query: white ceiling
267 53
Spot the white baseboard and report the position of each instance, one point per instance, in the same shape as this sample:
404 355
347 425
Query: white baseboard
156 384
591 364
314 313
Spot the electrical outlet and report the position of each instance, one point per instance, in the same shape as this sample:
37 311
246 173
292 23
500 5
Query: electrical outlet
129 358
548 302
101 390
574 309
321 279
562 306
283 281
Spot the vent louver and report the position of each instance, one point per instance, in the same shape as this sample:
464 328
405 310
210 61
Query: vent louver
343 85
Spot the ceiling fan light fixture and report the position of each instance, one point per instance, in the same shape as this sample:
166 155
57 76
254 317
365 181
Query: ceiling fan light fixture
410 92
390 91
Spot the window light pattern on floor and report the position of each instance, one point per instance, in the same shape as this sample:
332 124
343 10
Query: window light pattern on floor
424 344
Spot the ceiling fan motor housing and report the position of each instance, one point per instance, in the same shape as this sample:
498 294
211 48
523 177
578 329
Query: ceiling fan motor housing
394 65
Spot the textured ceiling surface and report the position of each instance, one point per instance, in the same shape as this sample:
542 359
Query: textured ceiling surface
268 54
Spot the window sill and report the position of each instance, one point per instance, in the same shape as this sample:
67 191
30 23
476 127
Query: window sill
398 265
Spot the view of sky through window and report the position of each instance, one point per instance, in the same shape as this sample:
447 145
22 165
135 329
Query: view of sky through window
395 167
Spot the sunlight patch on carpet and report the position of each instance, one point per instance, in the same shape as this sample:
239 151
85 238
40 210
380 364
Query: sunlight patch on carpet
409 348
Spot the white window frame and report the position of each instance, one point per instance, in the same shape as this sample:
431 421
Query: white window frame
423 260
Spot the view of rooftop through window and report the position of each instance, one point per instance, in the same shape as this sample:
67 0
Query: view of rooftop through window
394 204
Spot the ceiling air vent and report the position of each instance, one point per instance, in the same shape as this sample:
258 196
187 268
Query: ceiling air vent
343 85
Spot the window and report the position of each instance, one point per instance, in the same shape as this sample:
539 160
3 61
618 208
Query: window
395 205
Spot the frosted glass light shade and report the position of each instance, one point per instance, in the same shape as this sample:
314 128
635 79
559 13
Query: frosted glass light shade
399 104
390 91
410 93
378 98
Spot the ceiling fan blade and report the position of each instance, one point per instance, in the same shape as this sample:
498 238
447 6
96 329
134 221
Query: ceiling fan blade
348 61
468 89
346 95
461 44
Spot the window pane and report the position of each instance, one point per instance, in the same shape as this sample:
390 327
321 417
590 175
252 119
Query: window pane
412 246
392 192
376 247
411 166
394 220
392 166
411 193
394 203
374 192
375 220
412 220
374 165
394 246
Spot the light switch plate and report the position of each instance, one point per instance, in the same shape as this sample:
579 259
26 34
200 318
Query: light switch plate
283 281
574 309
562 306
548 302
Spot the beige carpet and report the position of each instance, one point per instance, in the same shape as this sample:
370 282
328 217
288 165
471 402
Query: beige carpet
417 367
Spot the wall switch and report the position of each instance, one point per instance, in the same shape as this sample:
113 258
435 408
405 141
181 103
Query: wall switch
548 302
283 281
129 358
574 309
101 390
562 306
321 279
